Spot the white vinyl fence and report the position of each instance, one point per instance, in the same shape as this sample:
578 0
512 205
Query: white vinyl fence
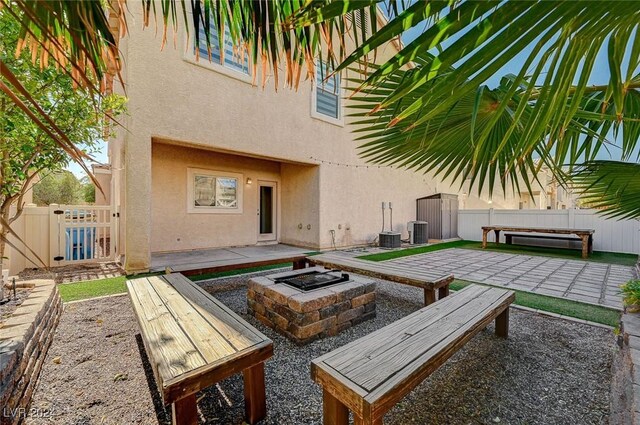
610 235
61 235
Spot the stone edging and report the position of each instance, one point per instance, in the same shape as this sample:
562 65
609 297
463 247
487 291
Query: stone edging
24 340
630 331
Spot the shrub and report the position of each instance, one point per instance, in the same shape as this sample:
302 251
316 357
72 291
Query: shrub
631 293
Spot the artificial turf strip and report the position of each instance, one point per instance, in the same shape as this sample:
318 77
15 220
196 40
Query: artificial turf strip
116 285
390 255
92 288
578 310
205 276
570 254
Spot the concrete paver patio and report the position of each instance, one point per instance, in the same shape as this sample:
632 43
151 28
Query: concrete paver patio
584 281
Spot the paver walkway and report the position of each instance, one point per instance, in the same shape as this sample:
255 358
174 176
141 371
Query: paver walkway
584 281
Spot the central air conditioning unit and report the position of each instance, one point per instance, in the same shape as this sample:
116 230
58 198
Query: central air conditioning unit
389 240
418 232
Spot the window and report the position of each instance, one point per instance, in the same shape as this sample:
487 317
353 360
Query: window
235 65
326 98
214 192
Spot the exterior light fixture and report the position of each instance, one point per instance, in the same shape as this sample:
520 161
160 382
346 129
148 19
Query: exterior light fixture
249 181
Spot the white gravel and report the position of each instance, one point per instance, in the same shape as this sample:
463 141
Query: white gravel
549 371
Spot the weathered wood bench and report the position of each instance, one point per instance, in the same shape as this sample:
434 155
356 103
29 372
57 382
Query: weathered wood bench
193 341
238 264
585 235
429 281
508 237
370 375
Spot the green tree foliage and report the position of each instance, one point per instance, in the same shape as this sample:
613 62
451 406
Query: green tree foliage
88 190
58 188
25 149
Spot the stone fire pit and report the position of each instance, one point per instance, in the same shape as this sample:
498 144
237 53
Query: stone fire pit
304 316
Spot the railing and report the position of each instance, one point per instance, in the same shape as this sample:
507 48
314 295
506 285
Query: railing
81 234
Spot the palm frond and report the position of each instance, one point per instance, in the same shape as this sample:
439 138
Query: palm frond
547 110
262 30
448 143
611 186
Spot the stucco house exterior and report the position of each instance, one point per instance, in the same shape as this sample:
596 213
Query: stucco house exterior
207 159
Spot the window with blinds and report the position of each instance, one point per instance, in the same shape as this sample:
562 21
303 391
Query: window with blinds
327 93
236 62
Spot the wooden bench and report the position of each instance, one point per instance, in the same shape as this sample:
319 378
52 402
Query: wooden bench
508 237
429 281
585 235
193 341
370 375
195 269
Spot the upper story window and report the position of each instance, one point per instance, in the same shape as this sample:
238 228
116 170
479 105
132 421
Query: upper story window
327 96
234 61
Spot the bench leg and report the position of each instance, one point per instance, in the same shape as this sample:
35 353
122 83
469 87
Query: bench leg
333 411
185 411
497 232
502 324
443 292
359 421
484 238
255 403
429 296
585 246
299 264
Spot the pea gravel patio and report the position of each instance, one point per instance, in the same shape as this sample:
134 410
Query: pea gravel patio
584 281
549 371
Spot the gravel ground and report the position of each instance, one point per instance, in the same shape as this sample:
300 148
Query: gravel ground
549 371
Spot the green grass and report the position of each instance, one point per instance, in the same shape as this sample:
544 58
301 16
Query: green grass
390 255
92 288
597 256
116 285
561 306
206 276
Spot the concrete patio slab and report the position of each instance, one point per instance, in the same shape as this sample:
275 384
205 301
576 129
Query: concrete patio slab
584 281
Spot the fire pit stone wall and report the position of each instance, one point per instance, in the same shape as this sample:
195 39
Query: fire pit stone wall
306 316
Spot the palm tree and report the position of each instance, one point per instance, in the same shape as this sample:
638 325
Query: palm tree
441 116
427 108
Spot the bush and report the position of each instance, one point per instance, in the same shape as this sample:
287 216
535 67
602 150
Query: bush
631 293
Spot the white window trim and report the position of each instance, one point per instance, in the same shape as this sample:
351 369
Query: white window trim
322 117
189 55
192 209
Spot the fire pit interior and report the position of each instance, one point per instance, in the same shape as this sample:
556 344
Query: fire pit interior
313 279
308 304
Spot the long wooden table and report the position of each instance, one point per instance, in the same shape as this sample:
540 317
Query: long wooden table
370 375
193 341
429 281
585 235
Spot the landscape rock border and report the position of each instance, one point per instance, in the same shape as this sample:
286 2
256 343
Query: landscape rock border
24 341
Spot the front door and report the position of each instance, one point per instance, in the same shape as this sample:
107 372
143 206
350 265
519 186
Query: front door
267 211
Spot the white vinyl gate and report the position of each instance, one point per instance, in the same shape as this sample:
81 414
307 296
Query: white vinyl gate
82 234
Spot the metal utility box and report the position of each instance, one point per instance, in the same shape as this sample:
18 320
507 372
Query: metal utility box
418 232
389 240
441 212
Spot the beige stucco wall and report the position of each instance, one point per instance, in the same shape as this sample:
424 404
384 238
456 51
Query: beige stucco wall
173 99
174 227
